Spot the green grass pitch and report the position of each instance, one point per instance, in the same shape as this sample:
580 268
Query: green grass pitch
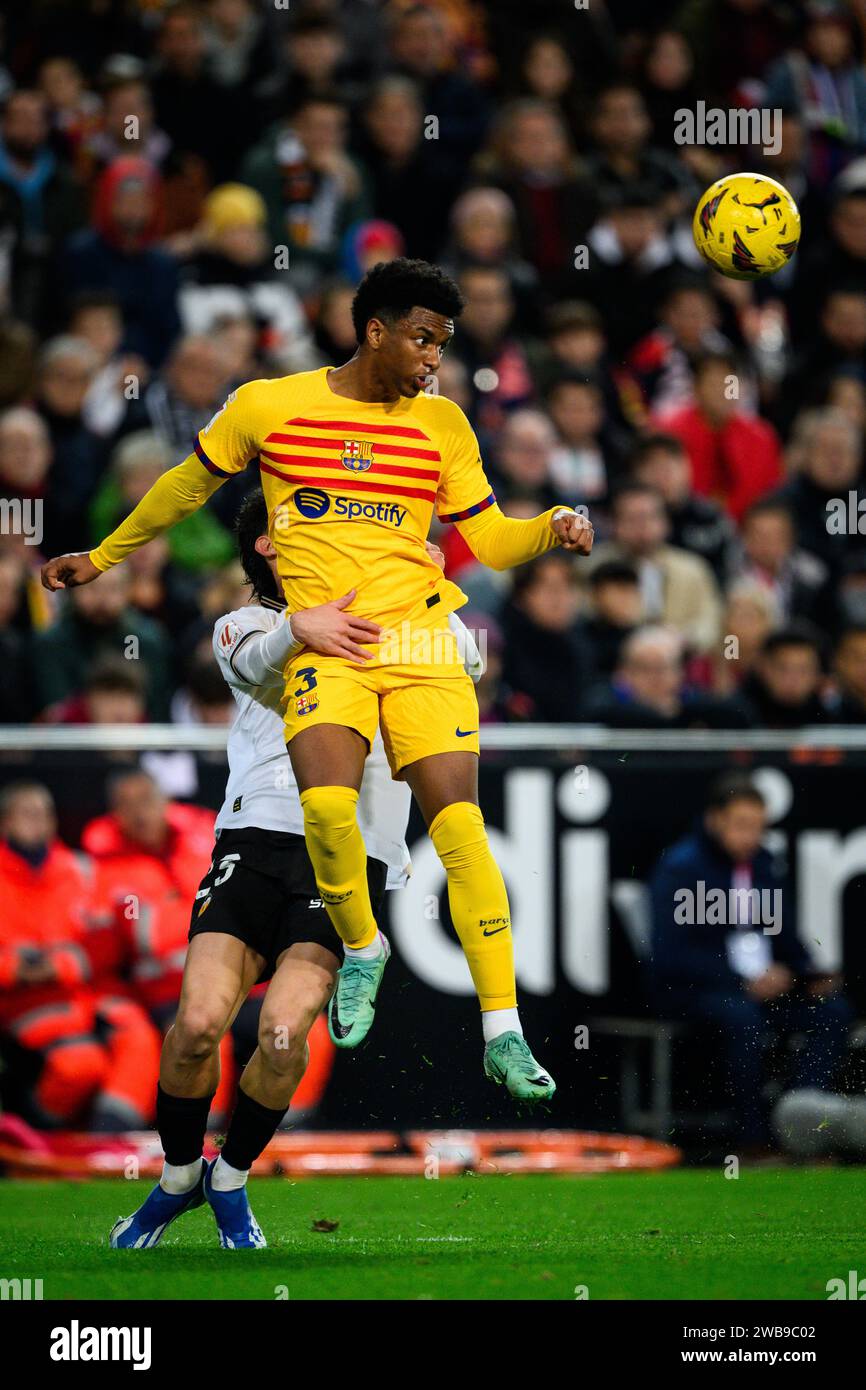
773 1233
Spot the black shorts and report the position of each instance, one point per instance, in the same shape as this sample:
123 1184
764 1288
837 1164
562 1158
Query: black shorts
261 888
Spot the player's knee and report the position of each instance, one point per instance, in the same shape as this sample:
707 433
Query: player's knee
330 813
197 1033
458 834
283 1041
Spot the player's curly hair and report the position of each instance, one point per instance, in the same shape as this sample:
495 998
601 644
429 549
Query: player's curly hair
250 523
390 289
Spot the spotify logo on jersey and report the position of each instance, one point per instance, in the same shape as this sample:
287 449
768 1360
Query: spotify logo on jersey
311 502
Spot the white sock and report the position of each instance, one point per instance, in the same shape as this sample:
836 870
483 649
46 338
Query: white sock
375 949
225 1178
178 1178
496 1021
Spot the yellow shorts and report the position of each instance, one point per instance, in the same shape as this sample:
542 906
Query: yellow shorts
415 689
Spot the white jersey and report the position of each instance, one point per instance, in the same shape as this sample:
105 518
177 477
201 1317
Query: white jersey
261 790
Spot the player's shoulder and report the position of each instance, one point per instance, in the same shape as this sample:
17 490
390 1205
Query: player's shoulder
267 390
448 429
442 412
230 629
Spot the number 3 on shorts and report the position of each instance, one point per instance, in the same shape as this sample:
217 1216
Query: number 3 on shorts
309 675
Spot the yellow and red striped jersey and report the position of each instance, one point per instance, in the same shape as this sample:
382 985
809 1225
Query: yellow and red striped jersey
351 488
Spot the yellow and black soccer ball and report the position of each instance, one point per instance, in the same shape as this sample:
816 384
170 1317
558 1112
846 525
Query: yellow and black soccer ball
746 226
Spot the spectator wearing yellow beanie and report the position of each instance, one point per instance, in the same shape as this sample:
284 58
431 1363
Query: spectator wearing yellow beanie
236 274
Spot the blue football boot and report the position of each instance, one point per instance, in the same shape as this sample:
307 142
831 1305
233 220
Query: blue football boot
146 1227
238 1228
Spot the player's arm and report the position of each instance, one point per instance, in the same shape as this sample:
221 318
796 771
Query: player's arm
465 498
256 657
224 447
500 542
179 492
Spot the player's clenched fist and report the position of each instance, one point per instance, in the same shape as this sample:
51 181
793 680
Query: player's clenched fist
574 531
66 571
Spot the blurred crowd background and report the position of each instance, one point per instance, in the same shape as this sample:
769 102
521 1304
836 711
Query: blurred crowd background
189 194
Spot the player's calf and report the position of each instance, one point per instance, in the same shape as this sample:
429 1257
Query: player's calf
294 1000
181 1121
482 920
189 1060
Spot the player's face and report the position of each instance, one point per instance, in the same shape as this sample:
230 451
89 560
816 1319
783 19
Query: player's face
411 351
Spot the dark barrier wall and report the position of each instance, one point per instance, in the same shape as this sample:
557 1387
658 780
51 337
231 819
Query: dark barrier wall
576 833
576 837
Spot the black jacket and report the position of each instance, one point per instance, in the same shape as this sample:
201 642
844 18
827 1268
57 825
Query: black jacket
687 953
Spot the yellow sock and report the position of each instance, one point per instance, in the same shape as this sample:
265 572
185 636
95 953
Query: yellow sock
479 902
339 857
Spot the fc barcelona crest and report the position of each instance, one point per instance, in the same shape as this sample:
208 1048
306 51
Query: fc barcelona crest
357 455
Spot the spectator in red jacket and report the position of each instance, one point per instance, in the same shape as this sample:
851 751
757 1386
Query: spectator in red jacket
94 1052
735 458
151 855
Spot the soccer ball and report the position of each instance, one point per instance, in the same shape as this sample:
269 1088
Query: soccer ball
746 226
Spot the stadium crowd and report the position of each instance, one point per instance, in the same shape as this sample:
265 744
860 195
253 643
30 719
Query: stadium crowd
189 193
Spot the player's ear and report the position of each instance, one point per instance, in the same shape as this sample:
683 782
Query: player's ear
264 546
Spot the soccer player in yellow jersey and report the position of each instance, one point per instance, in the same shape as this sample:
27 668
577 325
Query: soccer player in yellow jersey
354 461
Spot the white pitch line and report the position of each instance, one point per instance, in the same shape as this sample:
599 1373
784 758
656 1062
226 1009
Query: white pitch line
365 1240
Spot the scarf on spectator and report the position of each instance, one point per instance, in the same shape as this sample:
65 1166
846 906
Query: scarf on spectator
29 186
